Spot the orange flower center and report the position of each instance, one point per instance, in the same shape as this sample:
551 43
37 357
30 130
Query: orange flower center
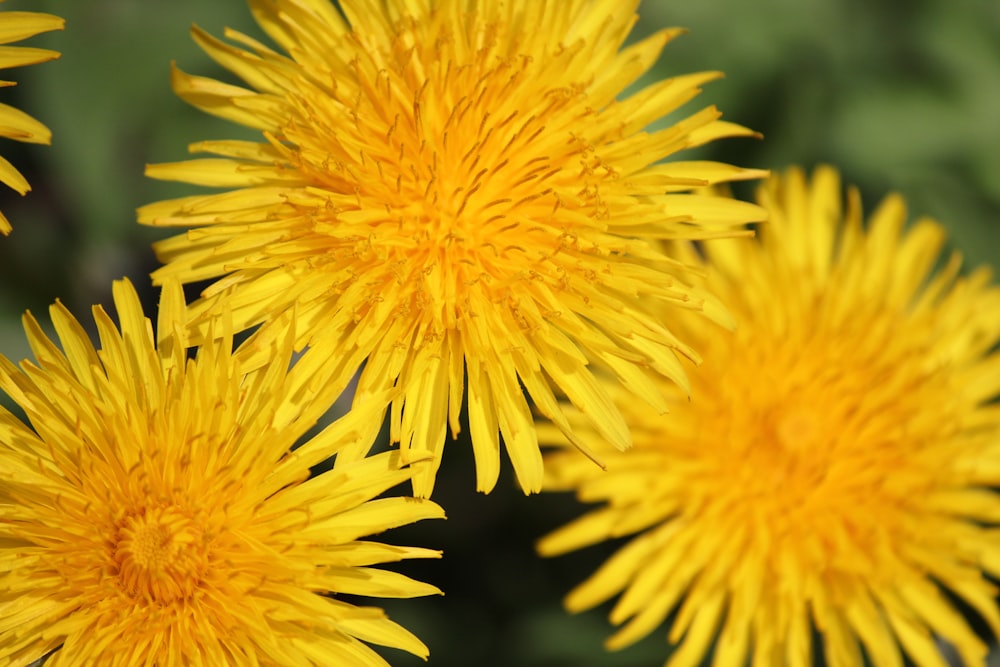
811 437
798 430
787 459
456 166
160 554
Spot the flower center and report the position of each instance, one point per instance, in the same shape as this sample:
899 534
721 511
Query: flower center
447 175
793 458
798 430
160 554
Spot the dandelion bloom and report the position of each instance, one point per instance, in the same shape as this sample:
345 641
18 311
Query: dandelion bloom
156 513
15 124
454 189
835 468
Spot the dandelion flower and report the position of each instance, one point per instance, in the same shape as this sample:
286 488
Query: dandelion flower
157 513
451 190
835 470
15 124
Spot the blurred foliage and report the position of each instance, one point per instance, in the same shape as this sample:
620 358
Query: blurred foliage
900 94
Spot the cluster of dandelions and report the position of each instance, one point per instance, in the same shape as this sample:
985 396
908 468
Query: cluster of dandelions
458 201
438 192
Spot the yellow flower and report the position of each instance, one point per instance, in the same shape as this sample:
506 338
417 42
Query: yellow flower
835 468
15 124
157 513
454 189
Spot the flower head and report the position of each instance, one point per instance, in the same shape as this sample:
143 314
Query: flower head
15 124
835 468
450 190
157 511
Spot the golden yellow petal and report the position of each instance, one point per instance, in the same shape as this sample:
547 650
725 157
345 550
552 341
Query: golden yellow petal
215 98
12 178
484 428
386 633
17 125
718 129
245 65
376 516
221 173
19 56
16 26
424 425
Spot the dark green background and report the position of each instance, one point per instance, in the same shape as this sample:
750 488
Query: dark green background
900 95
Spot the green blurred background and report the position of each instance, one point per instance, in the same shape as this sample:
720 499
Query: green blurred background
901 95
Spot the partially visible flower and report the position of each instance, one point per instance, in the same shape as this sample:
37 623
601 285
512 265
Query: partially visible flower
460 193
835 471
14 123
157 511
